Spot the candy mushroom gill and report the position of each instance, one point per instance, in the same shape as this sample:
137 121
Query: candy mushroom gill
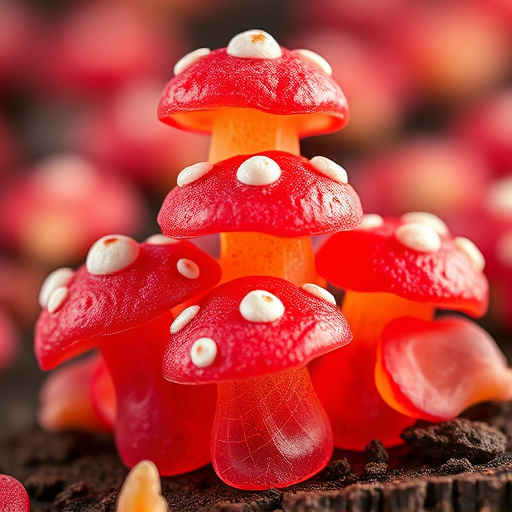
266 207
119 301
254 336
397 267
253 96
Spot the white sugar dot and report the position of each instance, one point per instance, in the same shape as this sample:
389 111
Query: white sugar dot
330 169
427 219
319 292
160 239
189 59
254 44
316 60
370 221
57 298
258 171
58 278
261 306
504 249
203 352
193 173
111 254
418 237
188 269
471 251
184 318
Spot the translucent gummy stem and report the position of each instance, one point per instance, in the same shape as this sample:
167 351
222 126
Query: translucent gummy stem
164 422
270 431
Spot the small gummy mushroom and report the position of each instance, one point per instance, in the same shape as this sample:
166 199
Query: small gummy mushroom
119 301
253 96
142 491
266 207
468 367
13 496
254 336
403 267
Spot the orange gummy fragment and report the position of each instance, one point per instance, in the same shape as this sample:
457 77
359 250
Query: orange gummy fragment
433 370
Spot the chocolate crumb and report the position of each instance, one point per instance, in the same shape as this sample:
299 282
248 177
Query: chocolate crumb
459 438
43 487
336 470
373 469
456 466
375 452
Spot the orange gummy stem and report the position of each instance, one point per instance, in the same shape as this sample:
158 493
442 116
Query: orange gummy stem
270 431
355 408
248 131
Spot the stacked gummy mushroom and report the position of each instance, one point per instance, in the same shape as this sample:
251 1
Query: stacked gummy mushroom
254 334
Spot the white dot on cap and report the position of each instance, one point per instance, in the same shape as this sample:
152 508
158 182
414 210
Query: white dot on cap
258 171
184 318
418 237
370 221
58 278
427 219
193 173
261 306
188 269
111 254
316 60
160 239
471 251
319 292
203 352
499 198
330 169
255 44
57 298
189 59
504 249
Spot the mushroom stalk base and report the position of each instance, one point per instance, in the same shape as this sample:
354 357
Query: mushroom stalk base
157 420
259 254
245 131
270 431
355 408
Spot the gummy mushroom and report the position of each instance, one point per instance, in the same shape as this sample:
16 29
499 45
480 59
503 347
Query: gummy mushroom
13 496
253 336
253 96
403 267
119 301
266 207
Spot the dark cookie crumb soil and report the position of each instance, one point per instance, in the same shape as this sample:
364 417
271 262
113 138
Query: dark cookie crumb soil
460 465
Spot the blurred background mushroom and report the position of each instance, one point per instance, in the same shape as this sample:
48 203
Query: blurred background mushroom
430 128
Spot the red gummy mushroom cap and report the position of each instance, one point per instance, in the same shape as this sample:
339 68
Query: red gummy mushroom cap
278 81
122 285
251 327
414 257
272 192
13 496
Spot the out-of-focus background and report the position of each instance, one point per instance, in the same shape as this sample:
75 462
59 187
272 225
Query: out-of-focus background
82 154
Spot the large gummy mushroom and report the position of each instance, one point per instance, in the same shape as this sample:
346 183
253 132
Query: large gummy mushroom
266 207
253 96
253 336
13 496
119 301
403 267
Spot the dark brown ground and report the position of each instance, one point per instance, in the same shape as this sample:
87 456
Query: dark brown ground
461 466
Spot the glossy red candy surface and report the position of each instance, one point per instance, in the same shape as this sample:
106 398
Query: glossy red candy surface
102 305
435 369
302 202
284 86
308 327
13 496
374 260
